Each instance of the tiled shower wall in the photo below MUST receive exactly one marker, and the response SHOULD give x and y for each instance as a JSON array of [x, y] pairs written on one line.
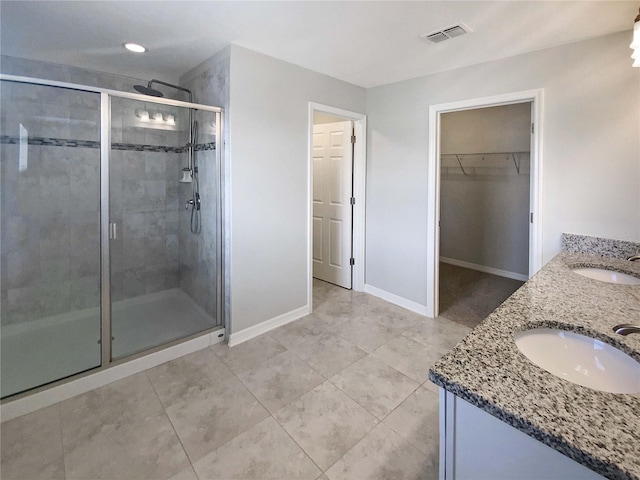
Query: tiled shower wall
[[209, 83], [197, 256], [144, 205], [50, 211], [50, 203]]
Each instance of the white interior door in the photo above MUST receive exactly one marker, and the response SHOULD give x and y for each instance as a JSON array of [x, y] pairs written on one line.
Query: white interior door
[[332, 211]]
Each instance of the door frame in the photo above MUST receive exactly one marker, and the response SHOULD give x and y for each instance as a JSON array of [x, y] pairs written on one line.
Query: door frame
[[535, 97], [359, 182]]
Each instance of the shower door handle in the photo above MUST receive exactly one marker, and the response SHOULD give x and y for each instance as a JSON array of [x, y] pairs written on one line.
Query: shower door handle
[[113, 231]]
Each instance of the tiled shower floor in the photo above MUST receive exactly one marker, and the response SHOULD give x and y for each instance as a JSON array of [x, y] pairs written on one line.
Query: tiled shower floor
[[49, 352], [340, 394]]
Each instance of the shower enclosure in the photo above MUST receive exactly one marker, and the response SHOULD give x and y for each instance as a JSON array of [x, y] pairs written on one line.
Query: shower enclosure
[[100, 259]]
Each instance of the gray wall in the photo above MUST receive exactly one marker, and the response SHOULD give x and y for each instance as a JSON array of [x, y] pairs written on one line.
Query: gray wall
[[269, 109], [495, 129], [484, 214], [591, 147]]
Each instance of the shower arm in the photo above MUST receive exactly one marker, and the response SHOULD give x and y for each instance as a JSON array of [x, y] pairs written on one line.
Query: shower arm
[[172, 86], [190, 144]]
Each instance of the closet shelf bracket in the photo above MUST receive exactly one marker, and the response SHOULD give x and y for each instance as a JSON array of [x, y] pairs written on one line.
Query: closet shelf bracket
[[515, 162], [460, 163]]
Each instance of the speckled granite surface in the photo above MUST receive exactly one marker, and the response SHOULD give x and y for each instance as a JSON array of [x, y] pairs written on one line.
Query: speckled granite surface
[[597, 429], [604, 247]]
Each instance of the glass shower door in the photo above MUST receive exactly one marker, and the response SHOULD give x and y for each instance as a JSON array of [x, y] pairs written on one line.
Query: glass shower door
[[156, 296], [50, 224]]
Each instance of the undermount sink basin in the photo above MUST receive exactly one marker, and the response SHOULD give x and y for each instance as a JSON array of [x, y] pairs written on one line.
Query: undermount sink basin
[[581, 360], [609, 276]]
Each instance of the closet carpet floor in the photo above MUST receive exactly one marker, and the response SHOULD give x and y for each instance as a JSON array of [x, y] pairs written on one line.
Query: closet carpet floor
[[468, 296], [340, 394]]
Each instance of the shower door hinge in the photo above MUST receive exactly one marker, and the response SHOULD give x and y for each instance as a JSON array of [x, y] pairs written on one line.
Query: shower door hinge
[[532, 128], [353, 139], [353, 200], [113, 231], [352, 261], [531, 217]]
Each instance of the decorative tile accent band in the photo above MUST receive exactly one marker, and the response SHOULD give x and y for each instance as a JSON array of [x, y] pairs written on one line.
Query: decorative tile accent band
[[63, 142]]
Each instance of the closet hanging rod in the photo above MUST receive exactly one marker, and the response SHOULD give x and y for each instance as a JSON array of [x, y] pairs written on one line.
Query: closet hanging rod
[[481, 154], [516, 157]]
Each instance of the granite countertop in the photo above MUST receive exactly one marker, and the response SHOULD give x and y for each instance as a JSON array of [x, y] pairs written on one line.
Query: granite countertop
[[599, 430]]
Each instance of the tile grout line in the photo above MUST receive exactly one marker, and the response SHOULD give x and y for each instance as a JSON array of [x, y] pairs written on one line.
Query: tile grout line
[[390, 413], [164, 410], [374, 358], [64, 455], [378, 422], [294, 440]]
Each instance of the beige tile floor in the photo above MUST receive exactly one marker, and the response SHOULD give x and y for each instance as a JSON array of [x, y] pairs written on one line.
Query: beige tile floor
[[340, 394]]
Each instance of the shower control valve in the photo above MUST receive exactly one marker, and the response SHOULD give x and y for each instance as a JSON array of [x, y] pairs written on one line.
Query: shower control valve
[[189, 204]]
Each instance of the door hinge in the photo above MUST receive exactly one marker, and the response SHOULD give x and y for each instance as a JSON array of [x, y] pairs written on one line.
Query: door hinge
[[533, 128], [531, 217], [113, 231], [353, 201], [353, 139], [352, 261]]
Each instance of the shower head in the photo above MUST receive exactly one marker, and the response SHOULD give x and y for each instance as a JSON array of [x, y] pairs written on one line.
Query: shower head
[[148, 90], [155, 93]]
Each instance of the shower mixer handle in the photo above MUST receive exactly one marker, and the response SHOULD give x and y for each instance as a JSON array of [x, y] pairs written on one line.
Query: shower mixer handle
[[192, 202]]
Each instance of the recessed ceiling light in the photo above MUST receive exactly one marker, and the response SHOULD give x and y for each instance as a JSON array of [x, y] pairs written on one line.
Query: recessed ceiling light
[[134, 47]]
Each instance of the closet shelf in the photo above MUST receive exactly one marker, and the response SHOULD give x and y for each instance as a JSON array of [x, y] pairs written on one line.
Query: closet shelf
[[467, 161]]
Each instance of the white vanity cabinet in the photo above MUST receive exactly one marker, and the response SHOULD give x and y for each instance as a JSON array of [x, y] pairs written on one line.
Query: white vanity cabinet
[[474, 445]]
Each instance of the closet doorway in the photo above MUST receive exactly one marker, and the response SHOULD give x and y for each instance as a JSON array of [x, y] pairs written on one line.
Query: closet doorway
[[484, 209], [484, 213]]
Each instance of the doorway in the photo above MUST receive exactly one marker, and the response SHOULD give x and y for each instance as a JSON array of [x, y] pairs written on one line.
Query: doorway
[[337, 146], [484, 209], [332, 199], [472, 164]]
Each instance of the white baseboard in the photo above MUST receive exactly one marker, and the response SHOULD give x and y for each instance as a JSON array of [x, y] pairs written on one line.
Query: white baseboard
[[45, 398], [267, 325], [396, 300], [482, 268]]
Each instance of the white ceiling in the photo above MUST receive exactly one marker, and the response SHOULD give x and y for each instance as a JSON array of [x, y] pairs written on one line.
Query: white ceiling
[[367, 43]]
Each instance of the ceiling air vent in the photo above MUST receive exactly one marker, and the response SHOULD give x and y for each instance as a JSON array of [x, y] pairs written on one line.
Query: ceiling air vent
[[436, 37], [446, 33]]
